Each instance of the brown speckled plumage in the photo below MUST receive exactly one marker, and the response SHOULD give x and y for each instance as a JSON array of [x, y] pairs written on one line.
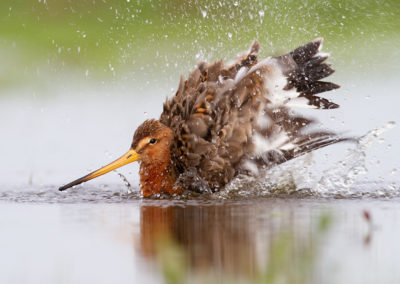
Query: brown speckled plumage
[[225, 120], [214, 115]]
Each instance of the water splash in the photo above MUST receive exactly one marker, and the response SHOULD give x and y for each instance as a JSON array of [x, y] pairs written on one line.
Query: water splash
[[280, 181], [301, 178], [339, 179], [126, 182]]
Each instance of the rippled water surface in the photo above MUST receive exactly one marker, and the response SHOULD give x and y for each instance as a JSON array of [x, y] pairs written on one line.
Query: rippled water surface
[[96, 235]]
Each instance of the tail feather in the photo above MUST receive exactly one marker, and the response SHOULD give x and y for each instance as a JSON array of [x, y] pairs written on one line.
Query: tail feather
[[292, 149], [306, 52], [304, 68], [319, 102], [315, 87]]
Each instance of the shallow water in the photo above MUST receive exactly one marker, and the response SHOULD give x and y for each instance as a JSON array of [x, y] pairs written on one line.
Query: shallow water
[[103, 236]]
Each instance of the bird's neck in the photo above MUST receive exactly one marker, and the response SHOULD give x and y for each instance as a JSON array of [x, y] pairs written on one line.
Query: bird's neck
[[157, 178]]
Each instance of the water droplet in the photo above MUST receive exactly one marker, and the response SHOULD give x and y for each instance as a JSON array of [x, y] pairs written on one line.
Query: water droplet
[[204, 13], [391, 124], [229, 35]]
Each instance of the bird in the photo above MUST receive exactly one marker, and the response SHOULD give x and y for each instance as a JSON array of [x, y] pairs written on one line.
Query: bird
[[230, 119]]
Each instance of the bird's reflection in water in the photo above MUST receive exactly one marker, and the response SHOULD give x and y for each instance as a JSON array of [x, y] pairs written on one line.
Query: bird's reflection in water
[[261, 243], [211, 237], [225, 239]]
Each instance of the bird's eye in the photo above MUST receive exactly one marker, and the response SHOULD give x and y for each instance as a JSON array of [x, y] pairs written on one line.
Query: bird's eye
[[152, 141]]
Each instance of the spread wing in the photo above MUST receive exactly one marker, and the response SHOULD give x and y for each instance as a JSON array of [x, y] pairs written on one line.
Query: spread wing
[[231, 119]]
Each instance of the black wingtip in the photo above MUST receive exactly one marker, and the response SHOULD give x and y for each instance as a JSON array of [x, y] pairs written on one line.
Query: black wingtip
[[304, 53]]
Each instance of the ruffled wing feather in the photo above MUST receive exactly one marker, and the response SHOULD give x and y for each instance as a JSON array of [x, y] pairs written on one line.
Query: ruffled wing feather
[[231, 119]]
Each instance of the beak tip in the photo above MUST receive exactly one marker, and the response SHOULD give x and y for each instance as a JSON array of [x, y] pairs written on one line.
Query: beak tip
[[65, 187], [129, 157]]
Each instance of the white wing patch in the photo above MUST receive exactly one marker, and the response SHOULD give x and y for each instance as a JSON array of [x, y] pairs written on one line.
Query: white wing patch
[[279, 141], [264, 121], [300, 102], [275, 83], [241, 74]]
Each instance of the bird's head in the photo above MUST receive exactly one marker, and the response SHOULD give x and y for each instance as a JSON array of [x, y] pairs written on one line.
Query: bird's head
[[151, 145], [152, 141]]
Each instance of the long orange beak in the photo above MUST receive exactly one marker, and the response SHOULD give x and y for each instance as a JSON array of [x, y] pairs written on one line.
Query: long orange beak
[[128, 157]]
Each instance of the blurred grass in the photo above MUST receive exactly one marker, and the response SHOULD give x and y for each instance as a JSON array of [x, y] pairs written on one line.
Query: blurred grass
[[139, 39]]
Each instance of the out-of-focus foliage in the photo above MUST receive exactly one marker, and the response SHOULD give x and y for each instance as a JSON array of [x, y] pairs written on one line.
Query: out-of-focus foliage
[[104, 37]]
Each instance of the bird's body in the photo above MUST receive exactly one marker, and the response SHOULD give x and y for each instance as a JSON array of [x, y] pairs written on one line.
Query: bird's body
[[227, 120]]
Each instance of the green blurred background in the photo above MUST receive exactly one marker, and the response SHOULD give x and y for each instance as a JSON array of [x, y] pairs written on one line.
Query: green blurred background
[[47, 42]]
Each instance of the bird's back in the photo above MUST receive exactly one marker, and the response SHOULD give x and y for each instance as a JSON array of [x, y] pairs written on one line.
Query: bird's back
[[235, 119]]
